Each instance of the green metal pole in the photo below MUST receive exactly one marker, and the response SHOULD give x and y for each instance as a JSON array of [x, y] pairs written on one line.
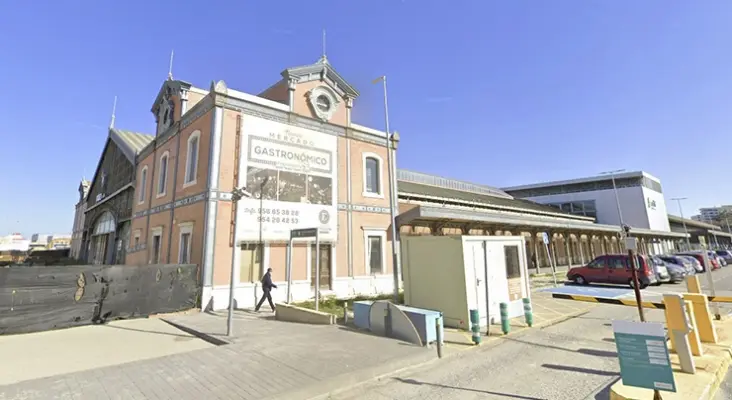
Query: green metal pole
[[475, 326], [505, 326], [528, 313]]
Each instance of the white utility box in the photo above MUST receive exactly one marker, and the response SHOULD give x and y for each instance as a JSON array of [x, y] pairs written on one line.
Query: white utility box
[[454, 274]]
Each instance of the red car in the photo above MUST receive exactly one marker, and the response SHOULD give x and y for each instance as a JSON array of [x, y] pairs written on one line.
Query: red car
[[613, 268]]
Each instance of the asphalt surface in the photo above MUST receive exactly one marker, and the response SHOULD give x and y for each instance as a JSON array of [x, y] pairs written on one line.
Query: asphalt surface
[[575, 359]]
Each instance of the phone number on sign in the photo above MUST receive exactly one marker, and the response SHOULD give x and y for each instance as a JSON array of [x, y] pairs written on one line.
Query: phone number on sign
[[275, 215]]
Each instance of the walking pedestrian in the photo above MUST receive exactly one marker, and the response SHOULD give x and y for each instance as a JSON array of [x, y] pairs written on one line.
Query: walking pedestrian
[[267, 286]]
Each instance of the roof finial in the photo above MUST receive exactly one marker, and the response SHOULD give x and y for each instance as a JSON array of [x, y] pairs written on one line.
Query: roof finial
[[324, 58], [170, 66], [114, 111]]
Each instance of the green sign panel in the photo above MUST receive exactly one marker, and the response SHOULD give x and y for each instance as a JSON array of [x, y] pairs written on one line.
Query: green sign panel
[[643, 355]]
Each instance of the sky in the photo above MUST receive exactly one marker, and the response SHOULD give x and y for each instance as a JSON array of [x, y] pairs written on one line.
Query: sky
[[494, 92]]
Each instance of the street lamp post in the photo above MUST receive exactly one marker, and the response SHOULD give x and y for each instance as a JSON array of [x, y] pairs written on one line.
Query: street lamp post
[[615, 190], [683, 222], [392, 200], [236, 195]]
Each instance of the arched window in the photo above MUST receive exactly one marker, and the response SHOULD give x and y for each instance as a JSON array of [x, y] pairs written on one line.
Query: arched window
[[372, 185], [163, 175], [192, 158], [105, 224], [142, 186]]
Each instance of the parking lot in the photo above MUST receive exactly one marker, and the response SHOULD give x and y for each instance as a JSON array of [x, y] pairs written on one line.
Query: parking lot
[[722, 282]]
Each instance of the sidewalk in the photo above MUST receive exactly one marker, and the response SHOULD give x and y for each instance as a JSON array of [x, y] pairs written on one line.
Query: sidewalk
[[266, 359], [546, 310]]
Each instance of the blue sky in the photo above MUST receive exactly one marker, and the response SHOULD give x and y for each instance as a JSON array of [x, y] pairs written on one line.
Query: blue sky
[[500, 93]]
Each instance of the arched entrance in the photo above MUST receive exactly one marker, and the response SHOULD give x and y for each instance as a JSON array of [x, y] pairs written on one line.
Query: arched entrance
[[102, 238]]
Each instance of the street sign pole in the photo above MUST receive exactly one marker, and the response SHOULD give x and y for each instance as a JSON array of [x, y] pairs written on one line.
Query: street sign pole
[[288, 271], [317, 270], [631, 244], [708, 268], [237, 195]]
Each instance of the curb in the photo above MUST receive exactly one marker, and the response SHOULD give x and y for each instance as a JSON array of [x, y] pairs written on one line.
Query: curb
[[488, 344]]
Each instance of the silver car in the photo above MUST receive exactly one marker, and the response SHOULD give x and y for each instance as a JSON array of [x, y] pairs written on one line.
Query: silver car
[[688, 263], [659, 267]]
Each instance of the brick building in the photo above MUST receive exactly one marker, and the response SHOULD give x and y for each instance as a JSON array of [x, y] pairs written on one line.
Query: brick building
[[295, 148]]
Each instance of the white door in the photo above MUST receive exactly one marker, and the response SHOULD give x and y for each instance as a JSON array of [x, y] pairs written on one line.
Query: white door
[[496, 281], [476, 280]]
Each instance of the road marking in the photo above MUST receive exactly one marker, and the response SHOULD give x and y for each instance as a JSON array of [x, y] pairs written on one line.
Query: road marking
[[605, 300]]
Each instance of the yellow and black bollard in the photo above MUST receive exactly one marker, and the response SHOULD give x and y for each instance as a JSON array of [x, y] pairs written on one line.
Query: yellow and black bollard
[[475, 326], [528, 313], [505, 326]]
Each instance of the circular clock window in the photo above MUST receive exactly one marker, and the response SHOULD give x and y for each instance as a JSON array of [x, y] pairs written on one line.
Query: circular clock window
[[323, 103]]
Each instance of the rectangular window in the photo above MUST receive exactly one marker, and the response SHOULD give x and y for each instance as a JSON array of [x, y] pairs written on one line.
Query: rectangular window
[[143, 184], [513, 265], [372, 175], [163, 177], [374, 243], [250, 262], [185, 248], [376, 258], [156, 247], [136, 240], [192, 159]]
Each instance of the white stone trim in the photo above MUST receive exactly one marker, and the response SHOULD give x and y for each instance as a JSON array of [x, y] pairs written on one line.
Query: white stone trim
[[166, 156], [136, 235], [143, 184], [185, 227], [187, 180], [332, 99], [380, 167], [368, 130], [371, 232]]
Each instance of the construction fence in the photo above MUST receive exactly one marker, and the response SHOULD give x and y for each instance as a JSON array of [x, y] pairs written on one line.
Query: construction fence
[[35, 299]]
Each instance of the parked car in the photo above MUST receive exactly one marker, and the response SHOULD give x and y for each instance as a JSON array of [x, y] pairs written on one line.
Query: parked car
[[659, 267], [614, 268], [726, 255], [722, 262], [699, 256], [687, 263], [676, 273], [694, 263]]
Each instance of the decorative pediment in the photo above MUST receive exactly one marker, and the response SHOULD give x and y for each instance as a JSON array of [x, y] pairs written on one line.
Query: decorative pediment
[[321, 71], [164, 106]]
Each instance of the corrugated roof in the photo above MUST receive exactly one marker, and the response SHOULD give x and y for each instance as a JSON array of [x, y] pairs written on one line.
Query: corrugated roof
[[691, 222], [131, 143], [444, 193]]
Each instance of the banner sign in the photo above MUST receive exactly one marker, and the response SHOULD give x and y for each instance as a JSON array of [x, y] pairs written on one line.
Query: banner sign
[[292, 175]]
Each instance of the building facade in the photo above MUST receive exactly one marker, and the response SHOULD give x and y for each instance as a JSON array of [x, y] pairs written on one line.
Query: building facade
[[433, 205], [640, 196], [711, 214], [109, 200], [306, 164], [79, 213]]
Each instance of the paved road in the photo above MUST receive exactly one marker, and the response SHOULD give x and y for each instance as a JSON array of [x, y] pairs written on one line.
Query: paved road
[[572, 360]]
